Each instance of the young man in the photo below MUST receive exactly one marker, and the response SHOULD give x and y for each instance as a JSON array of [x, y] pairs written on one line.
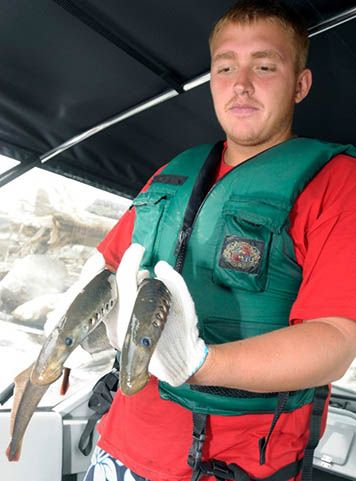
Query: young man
[[262, 229]]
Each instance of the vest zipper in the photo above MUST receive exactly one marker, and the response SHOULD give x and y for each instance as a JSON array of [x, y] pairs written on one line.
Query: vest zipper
[[186, 231], [181, 247]]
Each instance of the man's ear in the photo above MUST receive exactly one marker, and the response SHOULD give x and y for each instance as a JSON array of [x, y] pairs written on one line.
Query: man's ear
[[303, 85]]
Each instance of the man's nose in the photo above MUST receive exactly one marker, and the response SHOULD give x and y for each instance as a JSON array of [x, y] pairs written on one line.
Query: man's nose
[[243, 82]]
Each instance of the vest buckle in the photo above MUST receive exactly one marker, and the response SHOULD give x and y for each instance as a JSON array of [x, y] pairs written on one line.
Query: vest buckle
[[195, 453], [222, 471], [217, 468]]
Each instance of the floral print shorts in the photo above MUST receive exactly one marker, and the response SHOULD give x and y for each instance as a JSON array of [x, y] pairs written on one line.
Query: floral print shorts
[[106, 468]]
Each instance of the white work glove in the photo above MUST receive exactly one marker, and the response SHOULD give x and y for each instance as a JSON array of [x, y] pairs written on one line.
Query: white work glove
[[180, 352], [128, 277], [92, 267]]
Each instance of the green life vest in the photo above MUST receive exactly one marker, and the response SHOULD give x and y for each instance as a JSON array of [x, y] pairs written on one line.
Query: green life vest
[[239, 262]]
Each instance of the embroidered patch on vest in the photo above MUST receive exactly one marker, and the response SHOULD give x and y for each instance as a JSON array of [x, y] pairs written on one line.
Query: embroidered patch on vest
[[169, 179], [240, 254]]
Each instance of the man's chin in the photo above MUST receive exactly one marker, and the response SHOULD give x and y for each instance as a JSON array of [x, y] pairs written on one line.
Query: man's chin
[[246, 140]]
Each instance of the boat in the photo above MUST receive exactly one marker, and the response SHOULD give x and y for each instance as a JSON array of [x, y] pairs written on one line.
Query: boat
[[101, 94]]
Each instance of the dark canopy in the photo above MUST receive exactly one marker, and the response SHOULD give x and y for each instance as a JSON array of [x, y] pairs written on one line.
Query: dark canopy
[[67, 66]]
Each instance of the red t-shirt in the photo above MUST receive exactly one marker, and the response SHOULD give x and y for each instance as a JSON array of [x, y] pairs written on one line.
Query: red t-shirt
[[152, 436]]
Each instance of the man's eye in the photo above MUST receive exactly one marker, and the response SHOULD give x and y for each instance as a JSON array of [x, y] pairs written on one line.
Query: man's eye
[[226, 69], [266, 68]]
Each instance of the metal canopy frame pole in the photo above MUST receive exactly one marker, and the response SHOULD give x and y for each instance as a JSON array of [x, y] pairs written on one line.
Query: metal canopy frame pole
[[18, 170], [332, 22], [22, 168]]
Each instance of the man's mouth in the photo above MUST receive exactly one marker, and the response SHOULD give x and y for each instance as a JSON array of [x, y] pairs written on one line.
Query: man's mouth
[[243, 110]]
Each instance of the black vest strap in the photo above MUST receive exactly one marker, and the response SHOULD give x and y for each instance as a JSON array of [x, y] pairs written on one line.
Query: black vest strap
[[85, 443], [263, 442], [99, 402], [320, 397], [200, 190], [199, 429], [222, 470]]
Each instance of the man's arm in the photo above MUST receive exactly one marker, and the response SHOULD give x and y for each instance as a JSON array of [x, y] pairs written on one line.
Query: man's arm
[[314, 353], [304, 355]]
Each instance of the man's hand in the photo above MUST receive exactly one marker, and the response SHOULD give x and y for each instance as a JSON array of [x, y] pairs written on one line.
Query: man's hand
[[180, 351], [128, 277]]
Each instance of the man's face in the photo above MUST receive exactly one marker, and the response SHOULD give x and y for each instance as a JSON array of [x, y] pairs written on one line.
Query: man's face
[[254, 83]]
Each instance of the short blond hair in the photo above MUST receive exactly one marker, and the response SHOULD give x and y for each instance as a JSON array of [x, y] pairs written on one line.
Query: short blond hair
[[249, 11]]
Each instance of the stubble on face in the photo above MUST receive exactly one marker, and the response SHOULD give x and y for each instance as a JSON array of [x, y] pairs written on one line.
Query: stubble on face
[[274, 132]]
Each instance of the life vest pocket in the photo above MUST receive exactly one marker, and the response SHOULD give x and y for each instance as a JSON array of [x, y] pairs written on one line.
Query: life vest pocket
[[241, 259], [246, 231], [150, 208]]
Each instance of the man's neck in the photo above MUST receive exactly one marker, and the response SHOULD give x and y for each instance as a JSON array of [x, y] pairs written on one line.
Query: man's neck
[[236, 154]]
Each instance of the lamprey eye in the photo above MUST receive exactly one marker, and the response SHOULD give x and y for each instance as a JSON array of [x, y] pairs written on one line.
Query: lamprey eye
[[146, 342], [68, 341]]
